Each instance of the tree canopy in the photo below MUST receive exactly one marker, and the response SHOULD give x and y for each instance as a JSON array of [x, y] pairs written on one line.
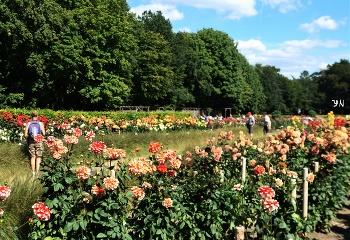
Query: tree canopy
[[97, 55]]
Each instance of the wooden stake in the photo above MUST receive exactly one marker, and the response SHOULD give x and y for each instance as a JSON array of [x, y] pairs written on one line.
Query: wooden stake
[[316, 167], [305, 192], [244, 166], [294, 194], [239, 232], [112, 173]]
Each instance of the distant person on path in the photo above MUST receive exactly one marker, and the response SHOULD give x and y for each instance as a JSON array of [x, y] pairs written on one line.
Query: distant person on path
[[250, 123], [33, 128], [267, 123], [204, 117]]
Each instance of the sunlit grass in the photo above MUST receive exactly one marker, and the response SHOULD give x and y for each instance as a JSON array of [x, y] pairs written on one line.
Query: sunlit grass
[[15, 167]]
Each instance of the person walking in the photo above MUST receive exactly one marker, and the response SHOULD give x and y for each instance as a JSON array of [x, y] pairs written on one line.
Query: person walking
[[33, 128], [250, 123], [267, 123]]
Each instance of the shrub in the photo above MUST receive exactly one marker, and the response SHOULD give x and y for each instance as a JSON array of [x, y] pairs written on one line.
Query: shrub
[[312, 113]]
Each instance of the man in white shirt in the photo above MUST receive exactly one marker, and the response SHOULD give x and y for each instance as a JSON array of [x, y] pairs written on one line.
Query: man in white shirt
[[267, 123]]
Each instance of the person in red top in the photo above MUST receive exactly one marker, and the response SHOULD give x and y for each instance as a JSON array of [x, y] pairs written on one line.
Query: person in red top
[[250, 123], [35, 148]]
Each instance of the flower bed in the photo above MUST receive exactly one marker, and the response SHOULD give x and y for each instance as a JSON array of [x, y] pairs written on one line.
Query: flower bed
[[12, 123], [200, 195]]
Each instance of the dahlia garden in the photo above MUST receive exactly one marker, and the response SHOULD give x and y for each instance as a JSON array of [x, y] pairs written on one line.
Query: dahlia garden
[[200, 194]]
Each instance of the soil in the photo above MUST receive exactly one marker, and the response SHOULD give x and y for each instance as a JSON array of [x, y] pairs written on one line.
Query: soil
[[340, 229]]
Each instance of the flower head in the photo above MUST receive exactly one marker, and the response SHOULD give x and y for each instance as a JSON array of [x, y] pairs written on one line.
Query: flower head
[[83, 172], [114, 153], [238, 187], [4, 193], [97, 147], [110, 183], [162, 168], [98, 191], [139, 193], [310, 177], [89, 135], [259, 170], [41, 211], [270, 204], [331, 157], [154, 147], [266, 192], [167, 202]]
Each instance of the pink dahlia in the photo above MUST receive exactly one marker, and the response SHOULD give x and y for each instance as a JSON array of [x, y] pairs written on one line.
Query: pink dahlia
[[41, 211]]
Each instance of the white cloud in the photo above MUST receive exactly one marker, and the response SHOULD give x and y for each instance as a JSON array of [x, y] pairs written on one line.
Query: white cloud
[[300, 45], [184, 29], [290, 56], [251, 45], [284, 6], [168, 11], [324, 22], [233, 9]]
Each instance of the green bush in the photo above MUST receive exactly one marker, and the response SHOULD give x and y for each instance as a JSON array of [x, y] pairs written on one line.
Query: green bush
[[276, 114], [312, 113]]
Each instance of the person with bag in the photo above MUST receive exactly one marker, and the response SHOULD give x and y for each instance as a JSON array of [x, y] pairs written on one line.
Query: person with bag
[[32, 133]]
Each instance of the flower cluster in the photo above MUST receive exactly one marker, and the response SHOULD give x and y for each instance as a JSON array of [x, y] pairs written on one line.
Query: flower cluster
[[56, 147], [71, 139], [42, 212], [141, 166], [267, 194]]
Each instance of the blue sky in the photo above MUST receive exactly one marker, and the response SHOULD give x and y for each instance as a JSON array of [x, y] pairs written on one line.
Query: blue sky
[[292, 35]]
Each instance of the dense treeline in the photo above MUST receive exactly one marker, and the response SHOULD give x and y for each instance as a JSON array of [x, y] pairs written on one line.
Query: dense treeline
[[97, 55]]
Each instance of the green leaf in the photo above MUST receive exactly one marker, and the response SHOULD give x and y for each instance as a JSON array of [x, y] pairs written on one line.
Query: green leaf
[[101, 235], [282, 225]]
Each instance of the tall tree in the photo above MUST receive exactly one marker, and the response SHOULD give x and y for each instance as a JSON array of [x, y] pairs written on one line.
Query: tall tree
[[333, 84], [230, 72], [153, 75], [271, 80]]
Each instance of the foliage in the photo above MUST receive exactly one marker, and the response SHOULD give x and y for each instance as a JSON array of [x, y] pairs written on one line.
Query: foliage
[[276, 114], [312, 113], [333, 84], [84, 202]]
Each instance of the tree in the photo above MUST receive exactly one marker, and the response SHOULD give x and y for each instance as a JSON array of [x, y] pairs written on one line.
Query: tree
[[157, 23], [229, 83], [153, 75], [271, 81], [75, 55], [333, 84]]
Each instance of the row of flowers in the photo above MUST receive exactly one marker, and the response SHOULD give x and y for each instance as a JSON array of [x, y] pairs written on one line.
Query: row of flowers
[[197, 194], [12, 125]]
